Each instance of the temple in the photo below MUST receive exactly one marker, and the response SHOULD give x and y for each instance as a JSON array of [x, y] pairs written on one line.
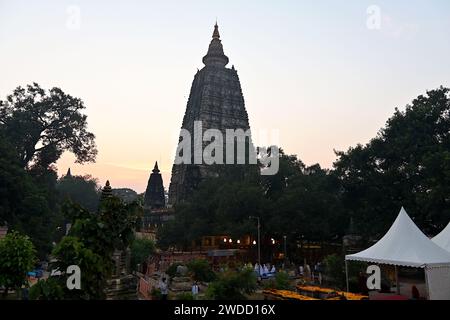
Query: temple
[[154, 194], [216, 100]]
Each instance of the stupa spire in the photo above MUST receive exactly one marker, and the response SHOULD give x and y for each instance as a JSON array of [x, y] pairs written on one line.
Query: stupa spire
[[215, 56], [154, 197], [216, 34], [106, 191], [156, 169]]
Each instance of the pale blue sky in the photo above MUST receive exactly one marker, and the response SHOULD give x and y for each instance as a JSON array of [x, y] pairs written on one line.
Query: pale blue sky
[[311, 69]]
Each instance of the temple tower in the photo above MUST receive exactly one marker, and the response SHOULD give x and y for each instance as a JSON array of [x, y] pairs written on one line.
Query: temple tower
[[154, 194], [216, 100]]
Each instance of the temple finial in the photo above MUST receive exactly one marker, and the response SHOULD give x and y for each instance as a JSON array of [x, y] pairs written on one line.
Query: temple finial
[[215, 56], [156, 169], [216, 34], [106, 191]]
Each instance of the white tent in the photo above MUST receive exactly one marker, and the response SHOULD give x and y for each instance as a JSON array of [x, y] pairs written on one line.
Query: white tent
[[405, 245], [443, 238]]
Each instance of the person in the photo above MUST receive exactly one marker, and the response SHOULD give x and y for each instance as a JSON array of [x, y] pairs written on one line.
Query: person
[[300, 270], [308, 272], [266, 270], [195, 290], [164, 289]]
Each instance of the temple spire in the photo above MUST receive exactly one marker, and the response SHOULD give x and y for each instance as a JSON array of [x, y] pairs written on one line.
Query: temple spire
[[156, 169], [215, 56], [216, 34], [106, 191], [154, 197]]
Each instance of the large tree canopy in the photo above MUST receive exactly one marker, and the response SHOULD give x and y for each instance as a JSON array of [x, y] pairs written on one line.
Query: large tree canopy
[[407, 164], [42, 125]]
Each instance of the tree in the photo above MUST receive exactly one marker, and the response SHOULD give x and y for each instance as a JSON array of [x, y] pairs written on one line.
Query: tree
[[17, 258], [82, 190], [91, 241], [407, 164], [42, 125], [141, 249], [232, 285], [201, 270], [94, 268], [49, 289], [28, 201]]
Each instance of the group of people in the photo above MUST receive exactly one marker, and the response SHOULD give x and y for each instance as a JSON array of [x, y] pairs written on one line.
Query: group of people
[[313, 274], [164, 288], [264, 270]]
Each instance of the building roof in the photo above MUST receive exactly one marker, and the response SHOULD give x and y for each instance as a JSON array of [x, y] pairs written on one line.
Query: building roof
[[443, 238], [404, 245]]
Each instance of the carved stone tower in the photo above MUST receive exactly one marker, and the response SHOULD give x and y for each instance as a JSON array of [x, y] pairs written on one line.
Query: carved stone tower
[[216, 100], [154, 194]]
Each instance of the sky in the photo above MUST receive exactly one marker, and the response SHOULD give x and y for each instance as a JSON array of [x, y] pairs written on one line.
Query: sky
[[325, 75]]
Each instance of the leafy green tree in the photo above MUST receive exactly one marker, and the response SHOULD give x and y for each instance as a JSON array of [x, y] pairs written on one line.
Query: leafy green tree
[[201, 270], [17, 257], [141, 249], [48, 289], [28, 201], [92, 241], [405, 165], [232, 285], [42, 125], [94, 268]]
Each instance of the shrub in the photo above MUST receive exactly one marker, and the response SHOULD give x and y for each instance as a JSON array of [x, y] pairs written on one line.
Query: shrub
[[185, 296], [232, 285], [201, 271], [172, 270]]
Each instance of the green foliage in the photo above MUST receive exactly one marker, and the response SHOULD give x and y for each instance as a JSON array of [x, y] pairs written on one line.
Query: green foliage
[[42, 125], [201, 270], [28, 200], [335, 271], [49, 289], [109, 229], [407, 164], [94, 267], [172, 269], [82, 190], [141, 249], [17, 257], [280, 282], [92, 241], [185, 296], [232, 285], [156, 294], [306, 203]]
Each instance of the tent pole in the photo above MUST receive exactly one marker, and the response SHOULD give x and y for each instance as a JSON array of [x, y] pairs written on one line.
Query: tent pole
[[346, 275], [397, 283]]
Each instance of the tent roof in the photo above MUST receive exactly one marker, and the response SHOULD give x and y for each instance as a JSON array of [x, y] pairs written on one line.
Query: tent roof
[[404, 245], [443, 238]]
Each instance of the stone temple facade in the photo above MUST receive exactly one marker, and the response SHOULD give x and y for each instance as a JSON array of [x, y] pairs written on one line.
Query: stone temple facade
[[215, 99]]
